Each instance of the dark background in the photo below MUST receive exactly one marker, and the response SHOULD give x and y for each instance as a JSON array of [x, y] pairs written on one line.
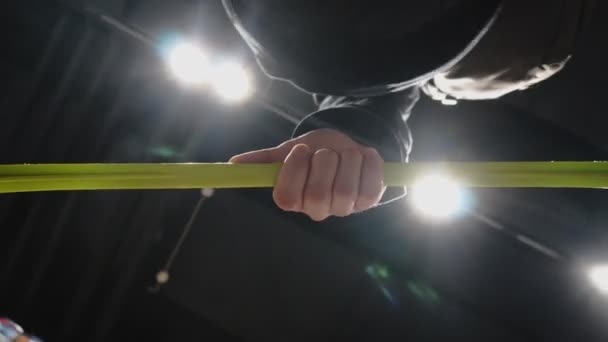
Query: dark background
[[81, 265]]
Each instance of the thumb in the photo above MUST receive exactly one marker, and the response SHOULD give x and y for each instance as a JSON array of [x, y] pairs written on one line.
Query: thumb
[[269, 155]]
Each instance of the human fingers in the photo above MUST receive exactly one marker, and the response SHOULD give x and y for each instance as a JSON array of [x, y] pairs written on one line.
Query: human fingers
[[346, 183], [318, 189], [268, 155], [289, 188], [371, 185]]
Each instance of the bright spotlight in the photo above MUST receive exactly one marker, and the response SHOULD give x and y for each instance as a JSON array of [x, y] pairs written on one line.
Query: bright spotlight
[[188, 63], [438, 197], [231, 81], [599, 277]]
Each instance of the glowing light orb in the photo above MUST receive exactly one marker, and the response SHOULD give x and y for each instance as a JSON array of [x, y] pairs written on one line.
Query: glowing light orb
[[438, 197], [188, 63], [231, 81], [599, 277]]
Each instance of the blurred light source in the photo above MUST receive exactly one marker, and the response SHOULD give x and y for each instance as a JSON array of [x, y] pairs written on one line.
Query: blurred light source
[[231, 81], [438, 197], [599, 277], [188, 63]]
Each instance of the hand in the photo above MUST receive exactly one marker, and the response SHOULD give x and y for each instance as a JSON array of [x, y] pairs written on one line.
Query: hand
[[324, 173]]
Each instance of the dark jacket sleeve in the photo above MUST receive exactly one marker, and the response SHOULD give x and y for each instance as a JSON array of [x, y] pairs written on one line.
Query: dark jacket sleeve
[[378, 122]]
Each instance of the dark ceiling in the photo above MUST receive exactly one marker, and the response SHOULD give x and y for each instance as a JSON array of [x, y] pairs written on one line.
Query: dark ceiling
[[81, 265]]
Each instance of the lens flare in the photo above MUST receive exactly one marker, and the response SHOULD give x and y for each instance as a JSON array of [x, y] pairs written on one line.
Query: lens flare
[[188, 63], [599, 277], [231, 81], [438, 197]]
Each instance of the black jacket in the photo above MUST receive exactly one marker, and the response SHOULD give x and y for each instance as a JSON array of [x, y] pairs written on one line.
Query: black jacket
[[366, 74]]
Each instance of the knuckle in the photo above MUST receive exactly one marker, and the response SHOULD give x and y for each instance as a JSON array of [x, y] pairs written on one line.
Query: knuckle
[[367, 200], [371, 196], [325, 154], [351, 154], [285, 200], [317, 217], [300, 148], [372, 154], [344, 193], [315, 194], [296, 162], [343, 211], [298, 154], [360, 206]]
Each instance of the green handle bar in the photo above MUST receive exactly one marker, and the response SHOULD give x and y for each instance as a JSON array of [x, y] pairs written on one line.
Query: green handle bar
[[55, 177]]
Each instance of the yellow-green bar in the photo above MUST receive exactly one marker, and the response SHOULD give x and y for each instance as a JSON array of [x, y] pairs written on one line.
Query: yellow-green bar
[[55, 177]]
